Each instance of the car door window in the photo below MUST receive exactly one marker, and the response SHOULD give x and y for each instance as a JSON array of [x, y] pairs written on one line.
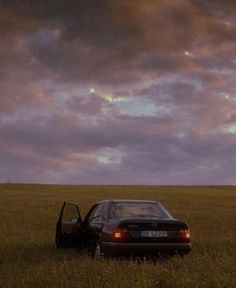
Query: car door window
[[70, 214], [98, 216], [92, 214]]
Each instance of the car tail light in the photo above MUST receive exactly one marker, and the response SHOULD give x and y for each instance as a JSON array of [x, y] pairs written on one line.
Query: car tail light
[[120, 235], [184, 234]]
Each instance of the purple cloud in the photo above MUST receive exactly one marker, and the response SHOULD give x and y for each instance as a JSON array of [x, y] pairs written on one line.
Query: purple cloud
[[138, 92]]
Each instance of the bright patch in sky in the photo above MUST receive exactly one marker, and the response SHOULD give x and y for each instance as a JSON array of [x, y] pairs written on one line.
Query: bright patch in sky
[[108, 98], [181, 135], [110, 156], [128, 105], [137, 107], [230, 129], [186, 53], [228, 96]]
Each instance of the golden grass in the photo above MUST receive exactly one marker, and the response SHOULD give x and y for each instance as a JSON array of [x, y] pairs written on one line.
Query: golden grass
[[28, 257]]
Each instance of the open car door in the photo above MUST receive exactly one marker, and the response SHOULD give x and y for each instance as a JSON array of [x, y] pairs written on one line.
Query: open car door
[[68, 226]]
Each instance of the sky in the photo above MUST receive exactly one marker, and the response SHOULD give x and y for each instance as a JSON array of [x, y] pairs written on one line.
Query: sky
[[118, 92]]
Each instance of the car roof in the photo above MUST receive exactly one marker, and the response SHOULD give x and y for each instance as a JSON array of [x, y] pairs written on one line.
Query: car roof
[[127, 200]]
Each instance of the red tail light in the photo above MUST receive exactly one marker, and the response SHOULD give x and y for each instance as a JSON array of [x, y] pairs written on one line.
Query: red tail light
[[120, 235], [184, 234]]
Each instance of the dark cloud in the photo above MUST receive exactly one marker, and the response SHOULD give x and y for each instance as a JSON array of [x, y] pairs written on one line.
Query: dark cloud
[[117, 42]]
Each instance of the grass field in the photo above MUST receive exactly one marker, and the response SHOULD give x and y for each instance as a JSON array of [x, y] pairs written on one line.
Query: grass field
[[28, 257]]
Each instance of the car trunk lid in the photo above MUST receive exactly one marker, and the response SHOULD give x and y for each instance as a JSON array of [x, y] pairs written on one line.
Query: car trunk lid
[[153, 230]]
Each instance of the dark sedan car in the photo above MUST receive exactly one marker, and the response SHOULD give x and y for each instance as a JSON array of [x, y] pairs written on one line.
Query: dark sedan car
[[114, 227]]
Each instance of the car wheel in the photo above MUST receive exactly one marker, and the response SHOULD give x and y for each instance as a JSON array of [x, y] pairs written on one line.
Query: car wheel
[[97, 253]]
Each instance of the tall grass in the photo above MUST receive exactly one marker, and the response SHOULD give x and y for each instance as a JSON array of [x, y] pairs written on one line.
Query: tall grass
[[28, 257]]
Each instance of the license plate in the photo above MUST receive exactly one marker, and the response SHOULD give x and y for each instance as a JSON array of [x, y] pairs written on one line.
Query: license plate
[[154, 234]]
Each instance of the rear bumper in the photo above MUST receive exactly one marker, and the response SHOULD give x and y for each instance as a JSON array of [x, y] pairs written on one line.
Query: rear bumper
[[153, 248]]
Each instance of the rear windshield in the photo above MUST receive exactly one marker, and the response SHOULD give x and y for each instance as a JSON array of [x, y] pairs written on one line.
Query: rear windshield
[[138, 209]]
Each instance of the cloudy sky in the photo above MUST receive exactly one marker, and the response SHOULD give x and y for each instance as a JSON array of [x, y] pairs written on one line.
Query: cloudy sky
[[118, 92]]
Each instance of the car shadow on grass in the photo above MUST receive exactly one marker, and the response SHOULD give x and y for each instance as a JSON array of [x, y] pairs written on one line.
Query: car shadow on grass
[[37, 252]]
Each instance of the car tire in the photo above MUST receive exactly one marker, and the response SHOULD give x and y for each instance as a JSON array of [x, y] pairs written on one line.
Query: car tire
[[97, 253]]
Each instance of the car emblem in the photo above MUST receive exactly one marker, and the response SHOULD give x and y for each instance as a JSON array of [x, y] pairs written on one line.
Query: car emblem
[[154, 224]]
